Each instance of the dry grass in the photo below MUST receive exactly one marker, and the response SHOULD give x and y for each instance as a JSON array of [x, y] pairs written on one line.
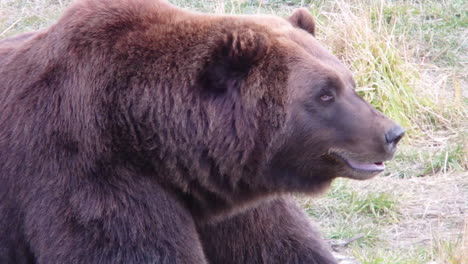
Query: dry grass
[[420, 220], [17, 16]]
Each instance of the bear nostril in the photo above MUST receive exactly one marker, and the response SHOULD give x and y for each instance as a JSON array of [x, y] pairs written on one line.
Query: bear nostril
[[394, 135]]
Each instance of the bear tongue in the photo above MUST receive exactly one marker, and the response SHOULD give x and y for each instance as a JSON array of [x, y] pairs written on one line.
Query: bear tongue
[[377, 166]]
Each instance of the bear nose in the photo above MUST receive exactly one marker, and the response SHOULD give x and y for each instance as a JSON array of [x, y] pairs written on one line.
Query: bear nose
[[394, 135]]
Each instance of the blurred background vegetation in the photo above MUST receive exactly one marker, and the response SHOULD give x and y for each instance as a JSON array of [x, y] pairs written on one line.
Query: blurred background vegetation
[[409, 58]]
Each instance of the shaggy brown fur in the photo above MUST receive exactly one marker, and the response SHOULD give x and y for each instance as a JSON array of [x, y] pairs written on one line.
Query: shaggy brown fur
[[132, 131], [274, 232]]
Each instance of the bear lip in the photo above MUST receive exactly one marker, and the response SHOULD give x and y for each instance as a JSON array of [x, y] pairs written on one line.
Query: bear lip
[[366, 166], [361, 169]]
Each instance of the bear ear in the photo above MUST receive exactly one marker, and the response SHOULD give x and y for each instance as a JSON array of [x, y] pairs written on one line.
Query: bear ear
[[234, 56], [301, 18]]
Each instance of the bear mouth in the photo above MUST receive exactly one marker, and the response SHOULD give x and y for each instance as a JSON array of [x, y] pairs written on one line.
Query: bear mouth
[[360, 170], [366, 166]]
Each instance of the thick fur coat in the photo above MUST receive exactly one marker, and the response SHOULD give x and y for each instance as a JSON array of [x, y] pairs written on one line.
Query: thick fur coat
[[132, 131]]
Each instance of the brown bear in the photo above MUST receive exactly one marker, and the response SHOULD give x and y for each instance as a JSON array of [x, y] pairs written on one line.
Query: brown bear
[[132, 131]]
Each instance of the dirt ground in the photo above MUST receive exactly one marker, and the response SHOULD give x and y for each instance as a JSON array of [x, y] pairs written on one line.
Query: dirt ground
[[433, 213]]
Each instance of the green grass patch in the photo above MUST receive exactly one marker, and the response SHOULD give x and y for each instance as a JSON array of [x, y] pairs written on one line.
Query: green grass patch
[[345, 213], [375, 205], [449, 158], [382, 256], [444, 155]]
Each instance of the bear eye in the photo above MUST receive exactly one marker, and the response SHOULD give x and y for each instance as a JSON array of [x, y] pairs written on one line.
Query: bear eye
[[326, 97]]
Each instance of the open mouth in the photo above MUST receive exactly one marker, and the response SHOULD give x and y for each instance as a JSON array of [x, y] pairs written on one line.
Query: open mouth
[[365, 166], [360, 169]]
